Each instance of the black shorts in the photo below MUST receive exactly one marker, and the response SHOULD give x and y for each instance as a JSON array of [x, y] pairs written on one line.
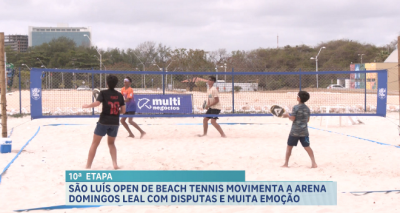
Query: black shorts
[[292, 141], [130, 113], [213, 112], [102, 130]]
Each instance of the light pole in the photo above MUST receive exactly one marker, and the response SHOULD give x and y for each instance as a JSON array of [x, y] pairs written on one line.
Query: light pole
[[85, 35], [216, 70], [166, 70], [361, 56], [46, 74], [162, 76], [225, 70], [316, 62], [26, 66], [144, 69]]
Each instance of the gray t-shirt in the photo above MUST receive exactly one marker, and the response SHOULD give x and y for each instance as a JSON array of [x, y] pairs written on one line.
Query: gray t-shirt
[[299, 126]]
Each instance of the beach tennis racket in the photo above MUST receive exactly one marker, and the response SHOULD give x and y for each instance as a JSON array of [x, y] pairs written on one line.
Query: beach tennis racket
[[96, 93], [204, 104], [277, 111]]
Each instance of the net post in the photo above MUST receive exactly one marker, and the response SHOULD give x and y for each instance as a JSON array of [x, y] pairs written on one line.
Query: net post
[[365, 92], [3, 88], [19, 86], [233, 92], [92, 91], [300, 79], [163, 84], [398, 67]]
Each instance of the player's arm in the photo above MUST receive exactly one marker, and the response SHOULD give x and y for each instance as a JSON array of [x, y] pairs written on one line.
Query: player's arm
[[94, 104], [129, 96], [123, 109], [291, 117], [216, 100]]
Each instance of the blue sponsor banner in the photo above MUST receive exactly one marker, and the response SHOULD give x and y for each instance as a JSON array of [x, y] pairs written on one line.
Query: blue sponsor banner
[[156, 104]]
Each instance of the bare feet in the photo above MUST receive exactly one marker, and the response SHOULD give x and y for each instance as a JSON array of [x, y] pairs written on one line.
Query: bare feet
[[116, 166], [131, 136], [142, 134], [285, 166], [201, 135], [224, 136], [314, 166]]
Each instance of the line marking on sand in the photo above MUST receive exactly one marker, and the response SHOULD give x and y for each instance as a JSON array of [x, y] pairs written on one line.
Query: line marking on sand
[[56, 207], [12, 161], [9, 136], [377, 142], [66, 125], [369, 192]]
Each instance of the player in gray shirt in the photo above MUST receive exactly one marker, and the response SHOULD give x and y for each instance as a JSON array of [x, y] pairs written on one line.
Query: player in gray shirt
[[300, 117]]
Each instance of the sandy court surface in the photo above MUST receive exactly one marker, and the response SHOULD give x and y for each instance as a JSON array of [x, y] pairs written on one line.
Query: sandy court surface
[[64, 102], [36, 178]]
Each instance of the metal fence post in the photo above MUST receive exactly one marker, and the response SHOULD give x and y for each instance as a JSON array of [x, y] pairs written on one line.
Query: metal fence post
[[300, 78], [92, 90], [365, 92], [19, 85], [163, 84], [233, 92]]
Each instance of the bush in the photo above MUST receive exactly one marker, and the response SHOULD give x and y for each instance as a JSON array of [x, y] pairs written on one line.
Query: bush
[[201, 84], [237, 88]]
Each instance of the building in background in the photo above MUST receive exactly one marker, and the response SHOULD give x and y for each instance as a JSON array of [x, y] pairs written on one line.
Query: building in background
[[393, 57], [41, 35], [18, 43], [357, 81]]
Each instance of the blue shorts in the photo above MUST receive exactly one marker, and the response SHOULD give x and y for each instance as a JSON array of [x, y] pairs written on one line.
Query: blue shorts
[[293, 140], [102, 130]]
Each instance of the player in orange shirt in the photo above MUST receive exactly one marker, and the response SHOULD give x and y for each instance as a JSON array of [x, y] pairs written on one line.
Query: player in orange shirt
[[127, 92]]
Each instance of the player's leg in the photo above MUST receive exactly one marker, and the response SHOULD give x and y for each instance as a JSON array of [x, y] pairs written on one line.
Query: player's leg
[[292, 141], [112, 134], [113, 151], [134, 124], [123, 122], [288, 153], [205, 126], [99, 132], [92, 151], [218, 127], [305, 141]]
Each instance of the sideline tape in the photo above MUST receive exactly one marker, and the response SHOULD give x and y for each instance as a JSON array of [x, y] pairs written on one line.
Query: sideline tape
[[65, 125], [369, 192], [377, 142], [9, 136], [175, 124], [55, 207], [12, 161], [232, 123]]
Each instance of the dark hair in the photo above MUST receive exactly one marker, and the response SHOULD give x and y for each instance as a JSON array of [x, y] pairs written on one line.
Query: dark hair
[[129, 78], [212, 78], [304, 96], [112, 81]]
